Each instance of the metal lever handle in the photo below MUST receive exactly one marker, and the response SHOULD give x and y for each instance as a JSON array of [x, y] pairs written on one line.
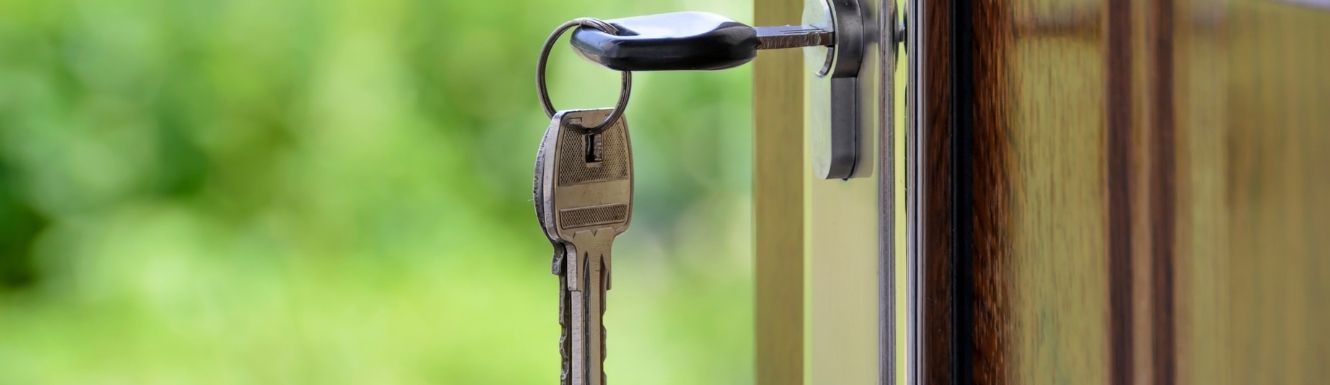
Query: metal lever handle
[[688, 41]]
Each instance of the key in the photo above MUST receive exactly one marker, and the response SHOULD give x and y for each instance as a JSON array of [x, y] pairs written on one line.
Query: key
[[585, 201], [546, 144], [688, 41], [837, 36], [546, 147]]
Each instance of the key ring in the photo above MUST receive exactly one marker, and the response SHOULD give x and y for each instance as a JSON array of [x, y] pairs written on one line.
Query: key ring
[[625, 90]]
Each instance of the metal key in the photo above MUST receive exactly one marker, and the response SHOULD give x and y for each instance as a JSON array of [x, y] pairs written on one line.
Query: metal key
[[585, 199], [546, 146], [689, 41], [835, 35]]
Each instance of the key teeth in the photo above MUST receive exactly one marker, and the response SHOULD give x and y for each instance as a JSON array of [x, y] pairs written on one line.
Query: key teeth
[[603, 353], [603, 336], [564, 323], [556, 266]]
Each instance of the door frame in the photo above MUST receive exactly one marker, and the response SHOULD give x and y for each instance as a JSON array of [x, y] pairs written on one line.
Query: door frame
[[826, 270]]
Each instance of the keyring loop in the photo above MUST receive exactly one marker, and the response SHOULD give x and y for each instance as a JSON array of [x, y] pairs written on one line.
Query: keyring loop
[[625, 90]]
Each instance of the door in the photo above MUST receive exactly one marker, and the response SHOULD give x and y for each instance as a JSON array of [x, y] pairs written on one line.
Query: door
[[1124, 192], [1085, 191]]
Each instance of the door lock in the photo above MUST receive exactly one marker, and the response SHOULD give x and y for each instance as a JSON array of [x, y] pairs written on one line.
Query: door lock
[[834, 35]]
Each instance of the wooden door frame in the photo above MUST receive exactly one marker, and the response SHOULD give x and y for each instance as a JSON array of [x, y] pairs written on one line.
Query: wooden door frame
[[778, 197]]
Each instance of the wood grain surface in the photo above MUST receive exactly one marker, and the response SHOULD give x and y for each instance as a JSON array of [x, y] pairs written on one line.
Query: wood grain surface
[[1127, 192], [1252, 101], [937, 333]]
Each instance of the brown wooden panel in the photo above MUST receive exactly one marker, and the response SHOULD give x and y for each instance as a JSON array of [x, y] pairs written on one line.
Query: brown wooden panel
[[937, 334], [1252, 98], [1126, 191], [1018, 233]]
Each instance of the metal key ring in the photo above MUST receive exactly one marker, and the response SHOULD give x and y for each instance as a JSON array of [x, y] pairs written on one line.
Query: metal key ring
[[625, 90]]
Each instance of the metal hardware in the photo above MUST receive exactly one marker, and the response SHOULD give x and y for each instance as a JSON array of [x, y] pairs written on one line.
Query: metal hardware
[[681, 41], [793, 36], [914, 37], [835, 36], [626, 87], [834, 103]]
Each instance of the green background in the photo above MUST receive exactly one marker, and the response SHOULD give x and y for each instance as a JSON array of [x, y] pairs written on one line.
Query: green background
[[339, 192]]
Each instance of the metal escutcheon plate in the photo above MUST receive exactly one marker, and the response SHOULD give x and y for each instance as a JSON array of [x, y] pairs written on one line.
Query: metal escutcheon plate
[[834, 92]]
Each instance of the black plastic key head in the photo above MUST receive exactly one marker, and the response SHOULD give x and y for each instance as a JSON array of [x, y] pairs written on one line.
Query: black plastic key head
[[669, 41]]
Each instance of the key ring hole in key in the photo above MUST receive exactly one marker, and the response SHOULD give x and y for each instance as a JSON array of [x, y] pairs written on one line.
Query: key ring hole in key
[[624, 91]]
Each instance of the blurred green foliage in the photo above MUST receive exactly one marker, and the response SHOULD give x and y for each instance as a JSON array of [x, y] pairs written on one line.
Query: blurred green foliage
[[338, 192]]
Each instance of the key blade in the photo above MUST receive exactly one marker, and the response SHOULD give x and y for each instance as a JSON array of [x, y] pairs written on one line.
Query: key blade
[[793, 36], [565, 332], [588, 306]]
